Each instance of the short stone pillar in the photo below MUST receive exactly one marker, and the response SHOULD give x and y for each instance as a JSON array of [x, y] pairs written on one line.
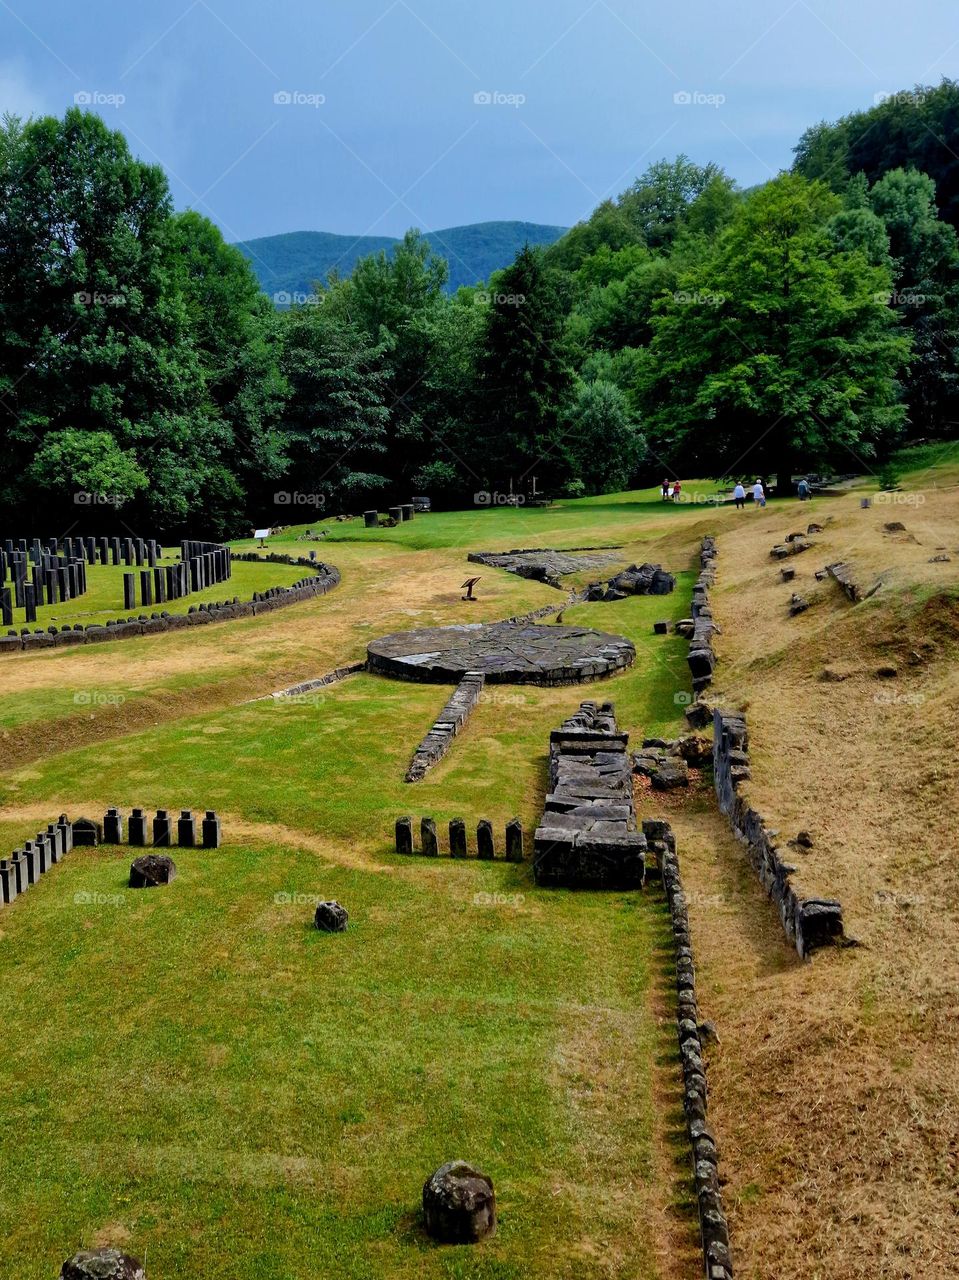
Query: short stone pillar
[[660, 628], [514, 841], [162, 829], [113, 827], [371, 519], [56, 842], [330, 917], [457, 838], [138, 828], [788, 574], [212, 835], [129, 591], [485, 847], [102, 1264], [428, 839], [407, 510], [43, 853], [404, 836], [8, 880], [396, 513], [186, 830], [459, 1204], [151, 870]]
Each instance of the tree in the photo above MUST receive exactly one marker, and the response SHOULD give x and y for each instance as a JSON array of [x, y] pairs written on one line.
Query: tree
[[602, 439], [523, 376], [336, 414], [926, 294], [778, 351]]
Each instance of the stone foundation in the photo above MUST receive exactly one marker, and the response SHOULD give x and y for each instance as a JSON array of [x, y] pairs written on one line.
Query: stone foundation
[[587, 837], [702, 659]]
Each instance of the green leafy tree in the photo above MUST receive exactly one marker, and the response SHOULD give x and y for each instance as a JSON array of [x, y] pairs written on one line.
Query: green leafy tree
[[778, 352], [85, 464], [602, 440], [523, 377]]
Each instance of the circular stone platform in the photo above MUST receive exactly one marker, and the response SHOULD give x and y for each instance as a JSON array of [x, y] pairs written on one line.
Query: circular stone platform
[[505, 652]]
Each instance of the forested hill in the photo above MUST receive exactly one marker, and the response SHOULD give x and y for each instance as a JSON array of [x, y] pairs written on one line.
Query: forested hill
[[293, 263]]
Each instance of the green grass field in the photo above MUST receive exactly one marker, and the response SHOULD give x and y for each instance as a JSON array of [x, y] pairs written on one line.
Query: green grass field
[[198, 1075]]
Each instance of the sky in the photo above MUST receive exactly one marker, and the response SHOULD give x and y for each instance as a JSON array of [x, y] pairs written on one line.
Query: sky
[[371, 116]]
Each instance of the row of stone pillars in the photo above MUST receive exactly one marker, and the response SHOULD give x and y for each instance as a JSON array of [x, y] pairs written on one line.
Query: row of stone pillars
[[485, 841]]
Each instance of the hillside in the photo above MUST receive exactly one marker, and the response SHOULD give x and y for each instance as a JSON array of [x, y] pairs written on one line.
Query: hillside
[[292, 263]]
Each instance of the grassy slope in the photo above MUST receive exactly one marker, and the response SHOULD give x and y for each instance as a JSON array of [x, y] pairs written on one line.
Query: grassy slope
[[197, 1088]]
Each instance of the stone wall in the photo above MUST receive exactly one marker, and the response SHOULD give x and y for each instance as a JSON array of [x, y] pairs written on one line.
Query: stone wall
[[702, 659], [587, 837], [714, 1229], [322, 579], [451, 719], [809, 923]]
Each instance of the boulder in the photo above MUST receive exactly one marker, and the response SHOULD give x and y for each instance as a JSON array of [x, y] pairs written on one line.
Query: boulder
[[330, 917], [102, 1264], [151, 870], [694, 749], [459, 1204], [673, 772]]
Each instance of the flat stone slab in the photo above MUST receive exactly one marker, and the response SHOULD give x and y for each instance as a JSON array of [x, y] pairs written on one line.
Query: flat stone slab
[[542, 563], [505, 653]]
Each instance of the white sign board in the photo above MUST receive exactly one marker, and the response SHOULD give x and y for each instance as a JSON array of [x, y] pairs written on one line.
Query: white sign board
[[261, 533]]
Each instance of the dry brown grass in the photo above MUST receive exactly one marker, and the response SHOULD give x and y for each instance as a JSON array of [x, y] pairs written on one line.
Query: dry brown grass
[[835, 1091]]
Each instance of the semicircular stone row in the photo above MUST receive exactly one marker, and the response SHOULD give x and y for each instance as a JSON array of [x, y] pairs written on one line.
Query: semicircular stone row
[[504, 652]]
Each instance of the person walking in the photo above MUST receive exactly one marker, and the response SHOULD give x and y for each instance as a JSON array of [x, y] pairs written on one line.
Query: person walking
[[665, 490], [759, 494], [739, 496], [805, 493], [677, 490]]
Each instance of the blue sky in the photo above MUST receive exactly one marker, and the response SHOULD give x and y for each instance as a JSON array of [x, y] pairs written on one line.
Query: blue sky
[[369, 116]]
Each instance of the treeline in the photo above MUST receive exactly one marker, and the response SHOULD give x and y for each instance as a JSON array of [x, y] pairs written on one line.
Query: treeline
[[687, 328]]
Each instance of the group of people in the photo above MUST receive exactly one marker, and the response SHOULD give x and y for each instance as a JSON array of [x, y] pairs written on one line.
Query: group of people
[[803, 489], [672, 489]]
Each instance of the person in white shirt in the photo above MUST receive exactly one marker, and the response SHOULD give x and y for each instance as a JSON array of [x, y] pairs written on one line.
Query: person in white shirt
[[739, 497], [759, 494]]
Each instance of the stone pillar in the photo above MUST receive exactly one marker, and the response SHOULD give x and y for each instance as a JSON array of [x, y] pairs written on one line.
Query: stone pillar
[[407, 510], [129, 591], [484, 840], [32, 858], [514, 841], [18, 865], [428, 838], [396, 513], [8, 880], [113, 827], [146, 588], [457, 838], [138, 828], [30, 601], [56, 842], [6, 607], [66, 827], [404, 835], [186, 830], [371, 519], [43, 853], [159, 585], [211, 830], [162, 829]]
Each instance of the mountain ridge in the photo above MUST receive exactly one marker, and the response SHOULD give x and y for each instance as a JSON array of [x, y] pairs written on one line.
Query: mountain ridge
[[290, 264]]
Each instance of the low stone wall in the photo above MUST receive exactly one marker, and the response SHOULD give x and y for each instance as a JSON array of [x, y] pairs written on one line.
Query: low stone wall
[[451, 719], [307, 687], [714, 1228], [809, 923], [587, 837], [702, 659], [323, 579]]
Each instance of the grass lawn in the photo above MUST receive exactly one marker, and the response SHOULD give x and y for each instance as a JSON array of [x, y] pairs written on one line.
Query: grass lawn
[[196, 1074]]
